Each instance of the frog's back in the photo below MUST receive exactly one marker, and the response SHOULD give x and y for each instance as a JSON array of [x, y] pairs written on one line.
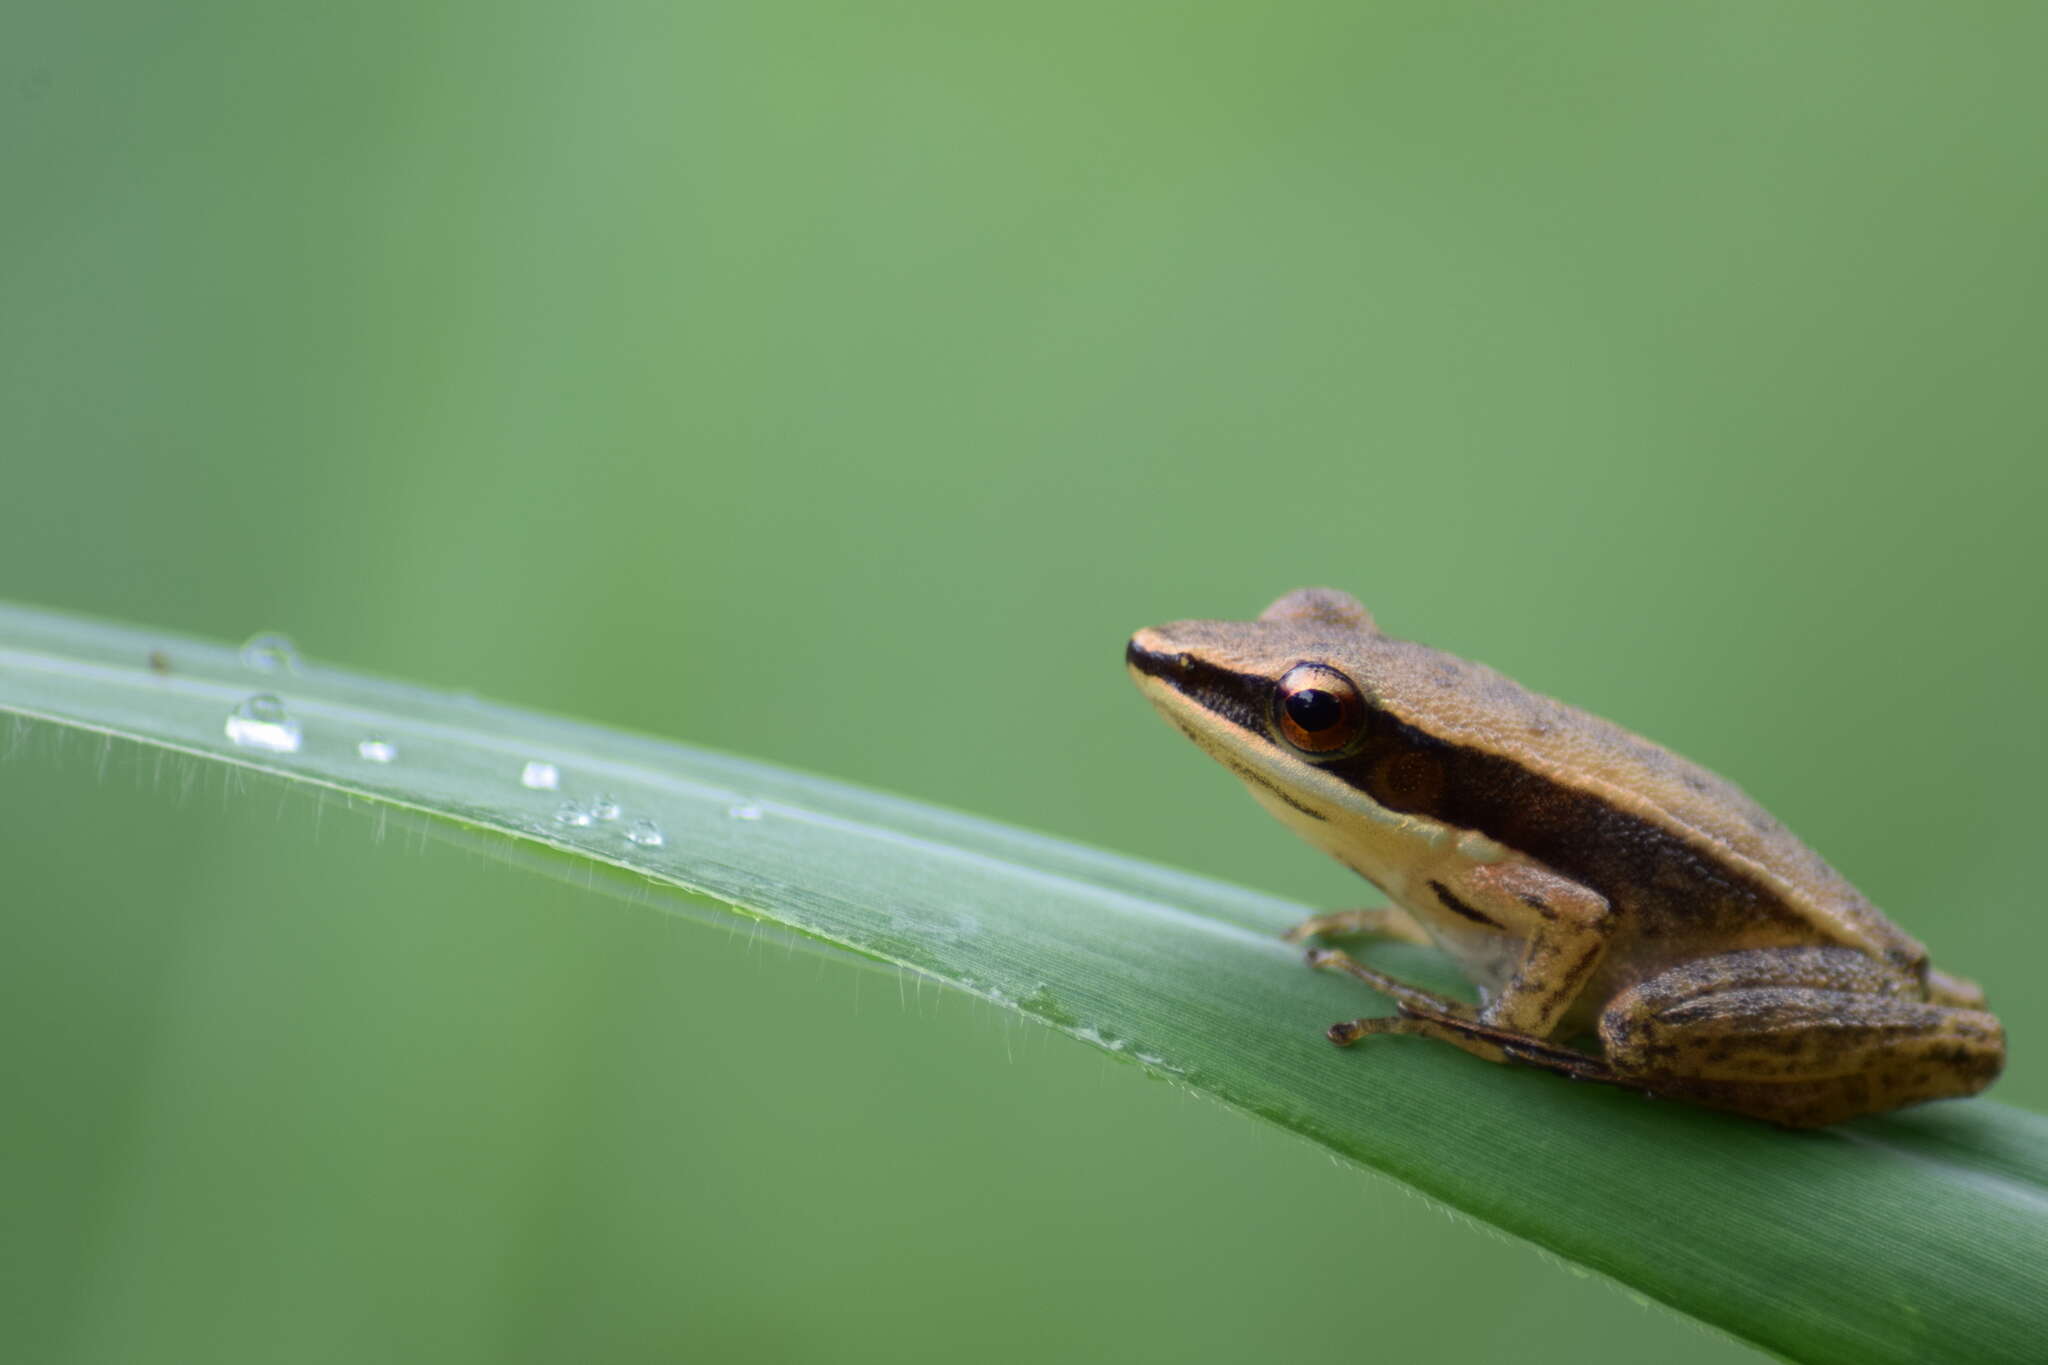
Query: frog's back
[[1639, 790]]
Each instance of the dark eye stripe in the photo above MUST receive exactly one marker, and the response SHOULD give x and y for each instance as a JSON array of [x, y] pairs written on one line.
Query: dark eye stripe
[[1577, 833]]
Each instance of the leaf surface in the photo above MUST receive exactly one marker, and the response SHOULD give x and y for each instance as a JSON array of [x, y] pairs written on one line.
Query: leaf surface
[[1915, 1237]]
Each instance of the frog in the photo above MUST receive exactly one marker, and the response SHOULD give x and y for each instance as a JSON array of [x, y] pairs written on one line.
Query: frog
[[1624, 915]]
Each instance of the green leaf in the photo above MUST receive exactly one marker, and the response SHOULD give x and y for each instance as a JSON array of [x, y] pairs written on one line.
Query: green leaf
[[1917, 1237]]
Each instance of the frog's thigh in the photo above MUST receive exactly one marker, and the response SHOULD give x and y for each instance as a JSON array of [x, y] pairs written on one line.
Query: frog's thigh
[[1801, 1037], [1564, 925]]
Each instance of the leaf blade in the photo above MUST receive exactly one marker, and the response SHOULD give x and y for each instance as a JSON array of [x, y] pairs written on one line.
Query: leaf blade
[[1912, 1237]]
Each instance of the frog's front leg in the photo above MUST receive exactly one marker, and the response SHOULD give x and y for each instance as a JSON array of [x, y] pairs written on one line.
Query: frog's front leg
[[1564, 925], [1415, 1002], [1563, 928], [1797, 1036]]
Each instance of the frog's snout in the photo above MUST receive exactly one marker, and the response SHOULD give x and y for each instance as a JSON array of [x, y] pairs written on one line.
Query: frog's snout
[[1152, 654]]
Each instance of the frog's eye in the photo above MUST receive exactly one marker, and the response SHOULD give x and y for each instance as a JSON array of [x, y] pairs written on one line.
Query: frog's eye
[[1319, 710]]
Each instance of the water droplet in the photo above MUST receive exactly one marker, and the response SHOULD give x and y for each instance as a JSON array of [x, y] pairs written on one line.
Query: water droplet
[[270, 653], [646, 833], [605, 807], [746, 810], [1100, 1039], [260, 722], [377, 750], [569, 813], [542, 777]]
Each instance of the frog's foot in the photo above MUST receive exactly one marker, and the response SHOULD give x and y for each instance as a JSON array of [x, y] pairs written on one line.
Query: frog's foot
[[1482, 1041], [1420, 1026], [1380, 921], [1411, 998]]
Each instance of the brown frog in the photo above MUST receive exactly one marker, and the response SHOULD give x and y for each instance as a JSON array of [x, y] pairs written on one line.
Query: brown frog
[[1587, 881]]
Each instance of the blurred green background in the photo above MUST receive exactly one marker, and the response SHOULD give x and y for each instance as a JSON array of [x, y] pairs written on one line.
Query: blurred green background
[[840, 384]]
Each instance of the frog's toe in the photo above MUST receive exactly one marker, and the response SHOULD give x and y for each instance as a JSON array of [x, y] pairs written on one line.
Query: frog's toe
[[1346, 1033], [1379, 921]]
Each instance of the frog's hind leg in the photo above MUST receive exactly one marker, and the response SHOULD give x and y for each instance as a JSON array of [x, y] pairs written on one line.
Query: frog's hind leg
[[1481, 1040], [1380, 921], [1797, 1036]]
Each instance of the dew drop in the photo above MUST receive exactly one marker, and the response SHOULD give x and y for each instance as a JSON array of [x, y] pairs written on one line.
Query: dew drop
[[541, 777], [270, 653], [605, 807], [569, 813], [746, 810], [260, 722], [377, 750], [646, 833]]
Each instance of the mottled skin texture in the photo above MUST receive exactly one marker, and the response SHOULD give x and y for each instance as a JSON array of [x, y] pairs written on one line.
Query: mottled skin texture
[[1587, 881]]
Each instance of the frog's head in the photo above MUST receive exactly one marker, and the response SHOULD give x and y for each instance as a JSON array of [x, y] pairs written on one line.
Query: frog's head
[[1270, 697]]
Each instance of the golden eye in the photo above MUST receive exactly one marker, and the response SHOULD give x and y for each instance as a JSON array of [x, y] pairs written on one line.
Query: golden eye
[[1319, 710]]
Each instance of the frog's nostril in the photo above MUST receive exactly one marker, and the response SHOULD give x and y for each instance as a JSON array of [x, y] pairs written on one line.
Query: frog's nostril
[[1148, 653]]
